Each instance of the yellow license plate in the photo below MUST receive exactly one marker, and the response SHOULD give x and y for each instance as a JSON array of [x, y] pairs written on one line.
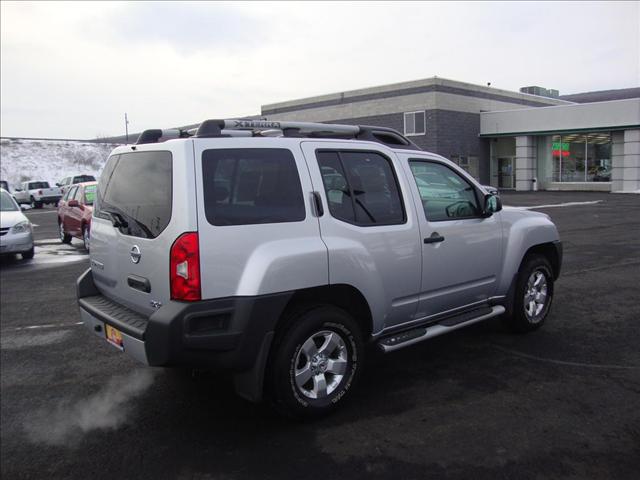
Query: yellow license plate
[[114, 337]]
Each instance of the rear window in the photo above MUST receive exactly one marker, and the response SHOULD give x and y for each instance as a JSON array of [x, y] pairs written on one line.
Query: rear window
[[251, 186], [84, 178], [34, 185], [137, 188]]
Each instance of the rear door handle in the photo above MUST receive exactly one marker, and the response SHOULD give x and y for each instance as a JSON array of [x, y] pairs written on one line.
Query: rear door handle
[[434, 238], [139, 283], [318, 202]]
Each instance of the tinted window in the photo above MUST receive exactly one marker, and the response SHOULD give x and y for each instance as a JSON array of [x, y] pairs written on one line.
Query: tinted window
[[366, 180], [336, 186], [250, 186], [83, 178], [89, 194], [445, 195], [34, 185], [71, 193], [4, 185], [137, 188]]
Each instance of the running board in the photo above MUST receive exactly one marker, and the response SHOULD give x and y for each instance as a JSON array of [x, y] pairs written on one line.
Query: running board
[[415, 335]]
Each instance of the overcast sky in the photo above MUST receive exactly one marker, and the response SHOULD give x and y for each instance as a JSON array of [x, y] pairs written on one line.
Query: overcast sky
[[72, 69]]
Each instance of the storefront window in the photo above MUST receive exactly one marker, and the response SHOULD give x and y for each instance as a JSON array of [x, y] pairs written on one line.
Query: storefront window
[[578, 157]]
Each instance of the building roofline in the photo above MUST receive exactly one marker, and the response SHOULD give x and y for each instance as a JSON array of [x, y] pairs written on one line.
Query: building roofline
[[399, 86]]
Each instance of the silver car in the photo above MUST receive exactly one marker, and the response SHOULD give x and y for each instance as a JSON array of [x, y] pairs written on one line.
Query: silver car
[[16, 232], [278, 257]]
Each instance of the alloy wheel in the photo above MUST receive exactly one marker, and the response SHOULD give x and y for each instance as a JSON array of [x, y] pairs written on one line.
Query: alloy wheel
[[536, 296], [321, 364]]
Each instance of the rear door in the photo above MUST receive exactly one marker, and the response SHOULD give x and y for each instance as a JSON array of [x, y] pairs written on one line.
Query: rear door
[[149, 193], [369, 225]]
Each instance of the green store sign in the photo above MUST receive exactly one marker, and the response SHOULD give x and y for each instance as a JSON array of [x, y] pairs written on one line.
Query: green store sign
[[560, 146]]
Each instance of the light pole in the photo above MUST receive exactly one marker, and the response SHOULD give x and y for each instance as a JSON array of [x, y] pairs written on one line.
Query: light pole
[[126, 126]]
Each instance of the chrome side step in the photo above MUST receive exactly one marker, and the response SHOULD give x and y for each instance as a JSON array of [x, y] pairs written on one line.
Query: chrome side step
[[416, 335]]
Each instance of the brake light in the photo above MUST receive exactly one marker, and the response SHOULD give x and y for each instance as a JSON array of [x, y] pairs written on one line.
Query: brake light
[[39, 192], [184, 268]]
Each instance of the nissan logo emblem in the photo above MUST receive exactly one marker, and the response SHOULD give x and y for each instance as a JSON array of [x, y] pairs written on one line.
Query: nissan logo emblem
[[135, 254]]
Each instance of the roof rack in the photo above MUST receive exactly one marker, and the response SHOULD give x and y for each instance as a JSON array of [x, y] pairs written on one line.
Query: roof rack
[[156, 135], [265, 128]]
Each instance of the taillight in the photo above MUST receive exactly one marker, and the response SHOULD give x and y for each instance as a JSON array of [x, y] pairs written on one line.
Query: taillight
[[184, 268], [39, 192]]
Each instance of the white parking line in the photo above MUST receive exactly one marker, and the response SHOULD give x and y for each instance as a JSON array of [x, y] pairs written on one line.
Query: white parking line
[[567, 204], [51, 325]]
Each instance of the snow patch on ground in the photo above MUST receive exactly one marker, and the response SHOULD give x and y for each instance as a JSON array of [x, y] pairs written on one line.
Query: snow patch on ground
[[50, 160]]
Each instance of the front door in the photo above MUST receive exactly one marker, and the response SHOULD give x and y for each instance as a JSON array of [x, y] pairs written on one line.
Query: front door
[[461, 250]]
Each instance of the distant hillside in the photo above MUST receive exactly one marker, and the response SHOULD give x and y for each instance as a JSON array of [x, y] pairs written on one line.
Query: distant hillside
[[49, 160]]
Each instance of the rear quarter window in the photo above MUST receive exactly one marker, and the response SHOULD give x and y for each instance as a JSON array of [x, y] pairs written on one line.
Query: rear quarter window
[[251, 186]]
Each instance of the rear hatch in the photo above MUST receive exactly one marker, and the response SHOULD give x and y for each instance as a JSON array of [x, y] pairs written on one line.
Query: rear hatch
[[145, 200]]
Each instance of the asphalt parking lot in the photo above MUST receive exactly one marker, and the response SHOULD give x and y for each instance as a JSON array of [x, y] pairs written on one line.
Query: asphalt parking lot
[[563, 402]]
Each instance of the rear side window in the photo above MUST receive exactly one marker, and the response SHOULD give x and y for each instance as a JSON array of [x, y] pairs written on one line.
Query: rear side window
[[361, 187], [136, 188], [83, 178], [244, 186]]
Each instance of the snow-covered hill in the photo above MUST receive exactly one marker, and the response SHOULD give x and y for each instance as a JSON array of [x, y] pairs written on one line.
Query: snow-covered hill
[[50, 160]]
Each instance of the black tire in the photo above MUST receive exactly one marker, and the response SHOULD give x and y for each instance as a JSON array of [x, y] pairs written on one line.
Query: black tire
[[86, 237], [28, 255], [64, 237], [317, 324], [35, 204], [527, 316]]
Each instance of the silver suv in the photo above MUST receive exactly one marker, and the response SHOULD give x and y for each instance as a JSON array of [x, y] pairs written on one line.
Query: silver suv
[[278, 251]]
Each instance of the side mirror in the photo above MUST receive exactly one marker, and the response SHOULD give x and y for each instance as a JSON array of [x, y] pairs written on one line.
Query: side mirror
[[492, 204], [58, 184], [73, 203]]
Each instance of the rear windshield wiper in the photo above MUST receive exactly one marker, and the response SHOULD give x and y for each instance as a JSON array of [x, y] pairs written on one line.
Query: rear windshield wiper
[[117, 219]]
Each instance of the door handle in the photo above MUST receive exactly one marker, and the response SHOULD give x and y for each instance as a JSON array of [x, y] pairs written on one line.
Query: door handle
[[434, 238], [318, 203]]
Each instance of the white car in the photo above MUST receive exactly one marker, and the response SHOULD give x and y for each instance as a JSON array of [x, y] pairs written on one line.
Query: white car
[[16, 232]]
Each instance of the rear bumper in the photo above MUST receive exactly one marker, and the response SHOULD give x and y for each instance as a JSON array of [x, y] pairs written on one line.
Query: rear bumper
[[223, 334], [49, 199]]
